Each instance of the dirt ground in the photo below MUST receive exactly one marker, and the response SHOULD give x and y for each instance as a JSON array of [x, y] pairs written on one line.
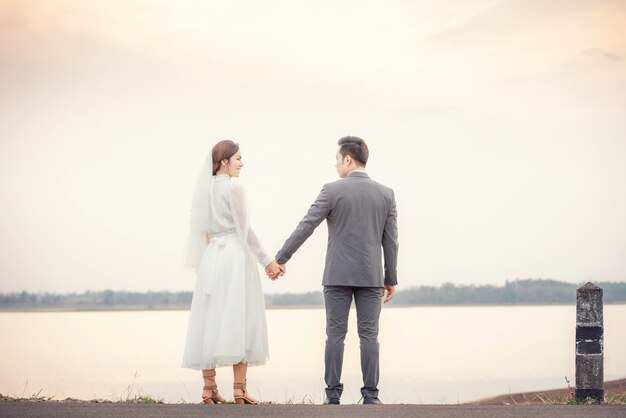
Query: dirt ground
[[614, 392]]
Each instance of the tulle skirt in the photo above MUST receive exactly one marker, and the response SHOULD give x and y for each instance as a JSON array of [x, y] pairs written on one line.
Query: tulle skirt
[[227, 322]]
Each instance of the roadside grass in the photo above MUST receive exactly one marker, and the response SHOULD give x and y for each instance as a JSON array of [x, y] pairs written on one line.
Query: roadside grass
[[139, 397], [614, 394], [35, 397], [130, 395], [292, 400], [142, 398], [609, 399]]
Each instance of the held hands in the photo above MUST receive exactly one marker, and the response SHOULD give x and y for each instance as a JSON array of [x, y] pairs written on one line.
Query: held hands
[[275, 270]]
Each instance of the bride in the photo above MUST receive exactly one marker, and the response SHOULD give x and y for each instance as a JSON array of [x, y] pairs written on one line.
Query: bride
[[227, 325]]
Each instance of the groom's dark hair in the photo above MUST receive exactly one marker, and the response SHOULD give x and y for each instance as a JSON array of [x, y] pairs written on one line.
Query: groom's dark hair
[[355, 147]]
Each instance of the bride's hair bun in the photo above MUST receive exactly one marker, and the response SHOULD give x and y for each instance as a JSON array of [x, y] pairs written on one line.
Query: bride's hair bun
[[223, 150]]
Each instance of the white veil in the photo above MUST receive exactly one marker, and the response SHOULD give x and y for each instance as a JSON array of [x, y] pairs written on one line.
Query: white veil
[[197, 240]]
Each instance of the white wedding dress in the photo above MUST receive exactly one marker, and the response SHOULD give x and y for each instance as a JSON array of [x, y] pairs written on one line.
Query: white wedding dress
[[227, 322]]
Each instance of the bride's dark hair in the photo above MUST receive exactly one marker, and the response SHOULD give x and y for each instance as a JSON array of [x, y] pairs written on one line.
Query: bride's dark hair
[[223, 150]]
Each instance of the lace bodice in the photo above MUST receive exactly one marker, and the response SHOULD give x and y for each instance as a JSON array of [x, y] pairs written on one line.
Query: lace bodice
[[229, 213]]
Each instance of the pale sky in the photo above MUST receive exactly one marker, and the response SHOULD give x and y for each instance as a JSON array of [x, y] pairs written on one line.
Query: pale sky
[[501, 126]]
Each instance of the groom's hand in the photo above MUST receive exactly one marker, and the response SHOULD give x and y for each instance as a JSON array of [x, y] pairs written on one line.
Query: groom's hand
[[391, 290]]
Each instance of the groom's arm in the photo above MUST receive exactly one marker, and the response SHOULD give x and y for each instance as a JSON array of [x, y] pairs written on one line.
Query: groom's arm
[[390, 244], [318, 211]]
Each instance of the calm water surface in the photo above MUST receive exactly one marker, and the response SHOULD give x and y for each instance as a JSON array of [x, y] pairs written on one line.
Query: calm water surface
[[428, 354]]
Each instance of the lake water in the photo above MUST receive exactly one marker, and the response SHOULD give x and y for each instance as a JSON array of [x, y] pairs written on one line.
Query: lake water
[[428, 354]]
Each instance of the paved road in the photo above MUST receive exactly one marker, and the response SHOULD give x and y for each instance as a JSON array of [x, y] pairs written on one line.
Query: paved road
[[68, 410]]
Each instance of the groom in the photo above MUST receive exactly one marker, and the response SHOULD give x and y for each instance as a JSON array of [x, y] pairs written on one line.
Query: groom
[[361, 218]]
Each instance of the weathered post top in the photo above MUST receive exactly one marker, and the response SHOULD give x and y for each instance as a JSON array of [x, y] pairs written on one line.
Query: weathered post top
[[589, 305]]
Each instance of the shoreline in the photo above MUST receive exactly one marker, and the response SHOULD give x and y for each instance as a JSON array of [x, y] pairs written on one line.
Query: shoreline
[[287, 307]]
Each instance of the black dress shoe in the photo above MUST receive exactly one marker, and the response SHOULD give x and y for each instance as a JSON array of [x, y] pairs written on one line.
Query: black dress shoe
[[372, 401], [331, 401]]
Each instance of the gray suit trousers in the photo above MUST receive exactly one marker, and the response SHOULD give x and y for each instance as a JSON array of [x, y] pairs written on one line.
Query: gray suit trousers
[[368, 303]]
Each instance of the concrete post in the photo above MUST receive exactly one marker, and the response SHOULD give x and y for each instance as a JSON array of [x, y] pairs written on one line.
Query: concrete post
[[589, 344]]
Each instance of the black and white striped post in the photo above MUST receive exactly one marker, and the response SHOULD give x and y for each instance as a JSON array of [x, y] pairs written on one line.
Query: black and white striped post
[[589, 344]]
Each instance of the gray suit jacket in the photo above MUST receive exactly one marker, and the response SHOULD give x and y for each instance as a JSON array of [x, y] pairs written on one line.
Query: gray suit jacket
[[361, 218]]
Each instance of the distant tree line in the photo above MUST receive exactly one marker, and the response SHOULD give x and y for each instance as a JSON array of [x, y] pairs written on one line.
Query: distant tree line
[[96, 300], [517, 292]]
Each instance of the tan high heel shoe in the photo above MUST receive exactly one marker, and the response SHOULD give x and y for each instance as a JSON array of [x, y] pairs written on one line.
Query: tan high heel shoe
[[244, 399], [214, 397]]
